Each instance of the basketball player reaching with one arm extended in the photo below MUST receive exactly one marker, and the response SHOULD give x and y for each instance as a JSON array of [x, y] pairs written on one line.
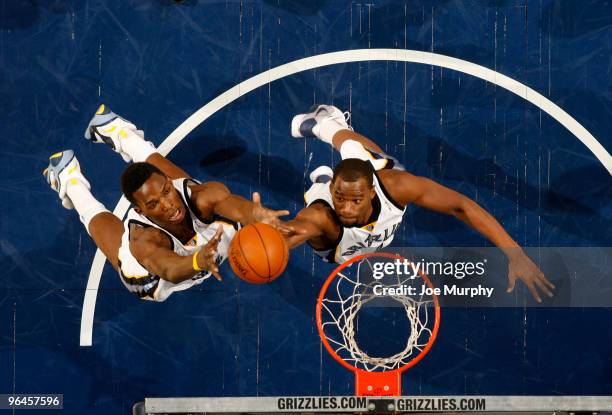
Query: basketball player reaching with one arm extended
[[178, 231], [357, 207]]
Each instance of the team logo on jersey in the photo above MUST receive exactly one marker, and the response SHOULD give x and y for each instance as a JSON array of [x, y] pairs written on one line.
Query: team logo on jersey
[[378, 239]]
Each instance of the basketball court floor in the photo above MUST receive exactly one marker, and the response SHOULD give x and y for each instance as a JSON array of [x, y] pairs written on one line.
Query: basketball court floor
[[508, 102]]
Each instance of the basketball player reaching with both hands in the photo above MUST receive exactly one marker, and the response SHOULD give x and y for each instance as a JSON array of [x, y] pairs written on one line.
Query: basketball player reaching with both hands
[[357, 207], [178, 231]]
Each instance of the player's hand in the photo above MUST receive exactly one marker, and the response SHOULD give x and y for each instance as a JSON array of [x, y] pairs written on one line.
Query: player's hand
[[296, 234], [264, 215], [208, 254], [521, 267], [288, 230]]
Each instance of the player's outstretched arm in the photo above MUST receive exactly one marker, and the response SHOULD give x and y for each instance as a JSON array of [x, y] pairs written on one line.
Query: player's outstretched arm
[[406, 188], [214, 198], [152, 249], [310, 224]]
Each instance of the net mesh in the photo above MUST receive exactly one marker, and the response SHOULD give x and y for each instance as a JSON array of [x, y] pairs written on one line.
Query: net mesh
[[351, 290]]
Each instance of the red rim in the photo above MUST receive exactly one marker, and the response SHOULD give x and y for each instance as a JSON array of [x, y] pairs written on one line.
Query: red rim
[[332, 352]]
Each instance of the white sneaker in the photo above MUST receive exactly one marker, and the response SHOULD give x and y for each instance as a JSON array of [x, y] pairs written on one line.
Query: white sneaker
[[308, 124], [109, 128], [64, 171], [322, 174]]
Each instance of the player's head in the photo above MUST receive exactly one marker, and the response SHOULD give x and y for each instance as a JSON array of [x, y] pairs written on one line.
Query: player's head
[[152, 193], [352, 191]]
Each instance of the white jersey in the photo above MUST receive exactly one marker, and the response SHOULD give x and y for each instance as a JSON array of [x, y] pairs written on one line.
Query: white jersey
[[377, 234], [148, 286]]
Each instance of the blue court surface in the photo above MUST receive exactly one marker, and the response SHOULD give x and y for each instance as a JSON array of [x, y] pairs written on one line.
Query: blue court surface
[[157, 62]]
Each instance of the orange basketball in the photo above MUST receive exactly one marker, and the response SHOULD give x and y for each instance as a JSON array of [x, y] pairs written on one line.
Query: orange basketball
[[258, 253]]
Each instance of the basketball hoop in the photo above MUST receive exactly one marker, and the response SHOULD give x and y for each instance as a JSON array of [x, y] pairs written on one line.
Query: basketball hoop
[[337, 321]]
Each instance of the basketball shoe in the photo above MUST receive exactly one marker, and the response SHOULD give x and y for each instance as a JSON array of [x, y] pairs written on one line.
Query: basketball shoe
[[322, 174], [64, 171], [116, 132], [322, 122]]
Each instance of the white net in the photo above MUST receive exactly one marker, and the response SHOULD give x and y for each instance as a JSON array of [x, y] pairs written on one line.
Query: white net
[[354, 288]]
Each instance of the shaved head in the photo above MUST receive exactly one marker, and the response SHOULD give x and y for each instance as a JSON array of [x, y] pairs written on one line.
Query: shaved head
[[351, 170]]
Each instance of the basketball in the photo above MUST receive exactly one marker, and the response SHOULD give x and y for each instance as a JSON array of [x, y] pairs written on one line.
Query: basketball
[[258, 253]]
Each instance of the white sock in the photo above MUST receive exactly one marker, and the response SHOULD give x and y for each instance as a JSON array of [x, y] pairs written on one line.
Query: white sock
[[136, 147], [84, 202], [326, 130]]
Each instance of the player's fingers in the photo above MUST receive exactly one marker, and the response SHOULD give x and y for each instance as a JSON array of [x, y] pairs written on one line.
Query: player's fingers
[[210, 250], [211, 247], [287, 233], [275, 223], [542, 286], [256, 198], [549, 284], [282, 228], [511, 283], [216, 274], [281, 213], [217, 236], [534, 292]]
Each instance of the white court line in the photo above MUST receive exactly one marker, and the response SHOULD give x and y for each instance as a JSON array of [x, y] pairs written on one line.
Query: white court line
[[346, 56]]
